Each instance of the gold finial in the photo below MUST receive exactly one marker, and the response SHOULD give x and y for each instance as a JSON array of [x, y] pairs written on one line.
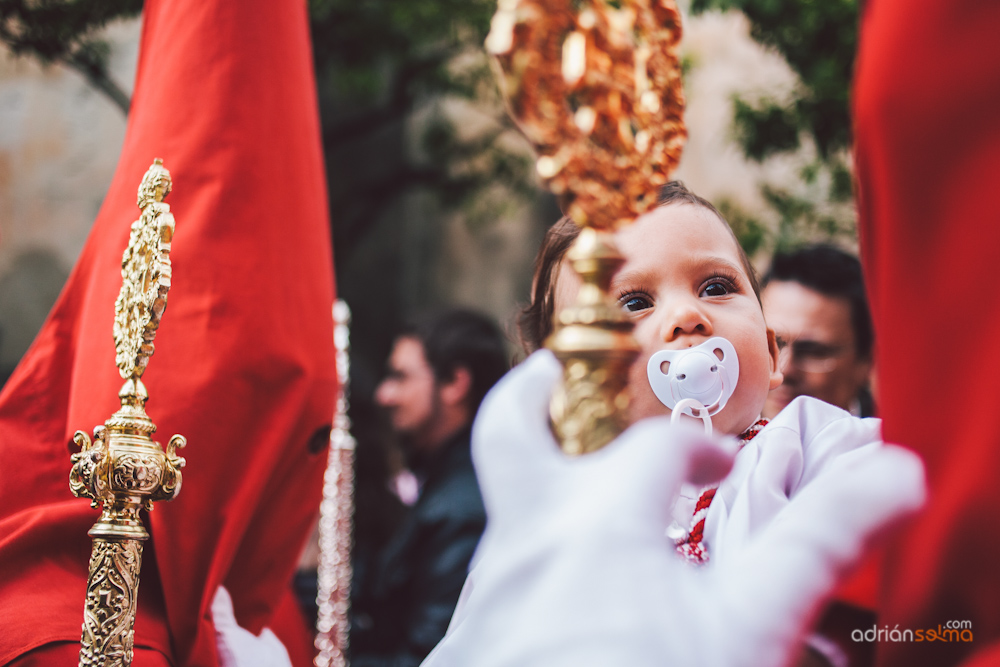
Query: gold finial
[[145, 275], [155, 185], [595, 85], [122, 469]]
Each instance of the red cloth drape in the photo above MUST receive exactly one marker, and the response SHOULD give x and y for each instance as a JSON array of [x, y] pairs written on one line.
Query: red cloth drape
[[244, 356], [927, 92]]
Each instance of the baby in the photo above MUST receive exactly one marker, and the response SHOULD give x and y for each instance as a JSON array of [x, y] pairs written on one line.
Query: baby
[[686, 280]]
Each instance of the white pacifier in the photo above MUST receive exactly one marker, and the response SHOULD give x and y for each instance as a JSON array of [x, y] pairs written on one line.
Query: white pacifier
[[697, 381]]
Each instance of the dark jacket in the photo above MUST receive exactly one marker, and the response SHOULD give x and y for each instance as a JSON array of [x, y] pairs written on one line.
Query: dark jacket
[[402, 612]]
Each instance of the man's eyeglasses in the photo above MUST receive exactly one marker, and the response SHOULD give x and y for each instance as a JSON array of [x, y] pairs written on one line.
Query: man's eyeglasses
[[809, 356]]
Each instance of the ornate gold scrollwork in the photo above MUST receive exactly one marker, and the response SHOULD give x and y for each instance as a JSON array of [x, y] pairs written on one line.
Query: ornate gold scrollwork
[[111, 603], [122, 470], [595, 86]]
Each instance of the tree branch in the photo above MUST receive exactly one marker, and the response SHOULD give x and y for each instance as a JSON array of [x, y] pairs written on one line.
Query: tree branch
[[98, 77]]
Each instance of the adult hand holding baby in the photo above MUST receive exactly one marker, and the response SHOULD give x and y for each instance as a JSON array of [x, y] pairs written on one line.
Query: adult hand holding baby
[[575, 567]]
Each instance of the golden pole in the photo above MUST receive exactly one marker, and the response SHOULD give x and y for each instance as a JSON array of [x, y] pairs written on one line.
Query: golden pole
[[593, 341], [122, 468], [595, 86]]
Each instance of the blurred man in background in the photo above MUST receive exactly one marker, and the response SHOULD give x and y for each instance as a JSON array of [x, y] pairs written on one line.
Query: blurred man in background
[[438, 373], [814, 299]]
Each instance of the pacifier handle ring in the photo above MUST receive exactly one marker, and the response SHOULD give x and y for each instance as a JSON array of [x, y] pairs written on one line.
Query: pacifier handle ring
[[695, 404]]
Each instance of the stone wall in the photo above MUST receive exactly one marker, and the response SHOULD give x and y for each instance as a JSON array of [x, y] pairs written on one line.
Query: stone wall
[[59, 144]]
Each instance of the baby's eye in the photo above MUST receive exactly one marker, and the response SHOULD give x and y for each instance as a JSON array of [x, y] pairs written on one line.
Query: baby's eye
[[717, 287], [633, 303]]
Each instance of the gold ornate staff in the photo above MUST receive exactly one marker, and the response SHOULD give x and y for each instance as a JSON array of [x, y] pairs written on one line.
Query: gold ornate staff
[[122, 468], [595, 86], [336, 514]]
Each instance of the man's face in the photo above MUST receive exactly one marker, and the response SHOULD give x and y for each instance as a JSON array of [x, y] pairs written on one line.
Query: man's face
[[409, 390], [818, 351]]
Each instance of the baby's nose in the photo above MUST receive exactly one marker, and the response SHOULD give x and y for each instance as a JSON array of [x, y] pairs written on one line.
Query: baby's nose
[[684, 317]]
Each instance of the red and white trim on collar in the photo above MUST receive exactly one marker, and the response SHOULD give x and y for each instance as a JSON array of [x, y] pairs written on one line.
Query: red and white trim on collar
[[691, 547]]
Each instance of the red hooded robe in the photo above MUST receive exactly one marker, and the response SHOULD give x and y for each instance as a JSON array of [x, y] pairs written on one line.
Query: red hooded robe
[[927, 142]]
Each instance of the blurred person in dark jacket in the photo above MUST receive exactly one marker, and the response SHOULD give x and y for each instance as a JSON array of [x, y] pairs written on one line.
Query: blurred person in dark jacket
[[440, 369]]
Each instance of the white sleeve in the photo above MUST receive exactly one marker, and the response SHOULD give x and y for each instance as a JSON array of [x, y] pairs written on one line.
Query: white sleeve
[[828, 432], [790, 453]]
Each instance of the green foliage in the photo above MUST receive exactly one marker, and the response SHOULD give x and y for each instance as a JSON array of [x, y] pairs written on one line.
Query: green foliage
[[64, 31], [377, 61], [53, 29], [818, 39], [842, 187], [386, 52], [765, 131], [801, 219]]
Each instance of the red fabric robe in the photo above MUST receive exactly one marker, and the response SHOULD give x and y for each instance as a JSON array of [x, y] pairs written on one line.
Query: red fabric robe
[[244, 363], [927, 134]]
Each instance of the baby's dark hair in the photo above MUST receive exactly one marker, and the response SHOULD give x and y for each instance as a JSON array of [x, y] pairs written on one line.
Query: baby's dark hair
[[534, 321]]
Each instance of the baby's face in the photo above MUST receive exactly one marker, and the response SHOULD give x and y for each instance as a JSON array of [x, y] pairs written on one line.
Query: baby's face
[[683, 283]]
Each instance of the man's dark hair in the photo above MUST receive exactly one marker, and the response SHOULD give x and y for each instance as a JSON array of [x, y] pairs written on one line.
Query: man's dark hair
[[833, 273], [459, 338]]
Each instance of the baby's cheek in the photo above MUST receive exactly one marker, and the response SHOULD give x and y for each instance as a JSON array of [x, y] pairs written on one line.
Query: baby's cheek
[[751, 393]]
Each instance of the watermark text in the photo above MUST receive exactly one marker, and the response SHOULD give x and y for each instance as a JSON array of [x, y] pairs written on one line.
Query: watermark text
[[952, 631]]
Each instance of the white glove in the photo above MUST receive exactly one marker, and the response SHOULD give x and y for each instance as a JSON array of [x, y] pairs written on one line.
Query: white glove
[[238, 647], [575, 568]]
